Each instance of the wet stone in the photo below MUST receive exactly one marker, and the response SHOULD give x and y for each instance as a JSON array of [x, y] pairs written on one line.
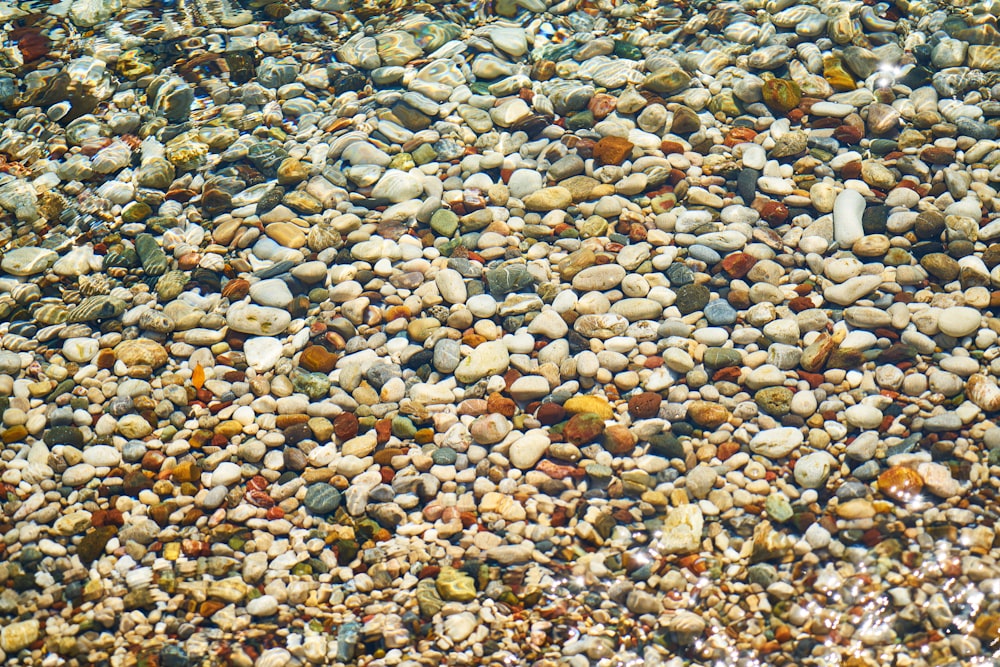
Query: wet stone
[[322, 499], [692, 298]]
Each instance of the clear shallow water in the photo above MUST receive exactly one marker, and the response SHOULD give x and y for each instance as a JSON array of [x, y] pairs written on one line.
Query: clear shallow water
[[499, 333]]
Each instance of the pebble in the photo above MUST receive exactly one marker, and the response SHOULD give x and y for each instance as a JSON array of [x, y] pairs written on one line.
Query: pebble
[[525, 290]]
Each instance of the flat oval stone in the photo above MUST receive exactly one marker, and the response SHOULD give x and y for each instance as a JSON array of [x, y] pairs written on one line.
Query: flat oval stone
[[776, 443], [257, 320], [959, 321], [27, 261], [322, 498]]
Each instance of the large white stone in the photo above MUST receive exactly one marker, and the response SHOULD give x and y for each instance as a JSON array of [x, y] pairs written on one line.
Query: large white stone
[[265, 605], [451, 286], [489, 358], [272, 292], [847, 211], [226, 474], [775, 443], [959, 321], [257, 320], [397, 186], [102, 455], [80, 350], [682, 530], [27, 261], [526, 451], [262, 352], [852, 289]]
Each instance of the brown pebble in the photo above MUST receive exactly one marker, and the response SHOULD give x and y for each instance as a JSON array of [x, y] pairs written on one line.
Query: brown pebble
[[345, 426], [645, 405]]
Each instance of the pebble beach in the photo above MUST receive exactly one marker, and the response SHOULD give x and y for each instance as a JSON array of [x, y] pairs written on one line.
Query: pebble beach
[[587, 333]]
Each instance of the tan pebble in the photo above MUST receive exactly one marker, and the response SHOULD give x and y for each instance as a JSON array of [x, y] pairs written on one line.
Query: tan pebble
[[859, 508]]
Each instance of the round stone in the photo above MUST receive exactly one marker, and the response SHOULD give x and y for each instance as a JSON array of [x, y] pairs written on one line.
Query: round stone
[[812, 470], [959, 321], [322, 498], [692, 298]]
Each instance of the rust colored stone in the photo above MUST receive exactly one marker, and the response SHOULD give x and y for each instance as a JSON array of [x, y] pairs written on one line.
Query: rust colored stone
[[814, 379], [550, 413], [105, 358], [739, 135], [345, 425], [937, 155], [383, 429], [773, 212], [500, 405], [851, 170], [728, 374], [601, 105], [800, 303], [645, 405], [317, 359], [619, 440], [557, 471], [612, 150], [847, 134], [669, 147], [583, 428], [727, 450], [738, 264]]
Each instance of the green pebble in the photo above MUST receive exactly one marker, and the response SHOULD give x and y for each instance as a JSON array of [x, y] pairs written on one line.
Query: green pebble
[[626, 50], [593, 227], [444, 222], [402, 161], [403, 428], [583, 120], [445, 456], [319, 294], [425, 154], [598, 471], [136, 211], [778, 507]]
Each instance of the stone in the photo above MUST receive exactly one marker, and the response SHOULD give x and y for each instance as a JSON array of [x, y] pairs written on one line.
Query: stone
[[489, 358], [583, 428], [681, 531], [455, 585], [272, 292], [645, 405], [589, 403], [612, 150], [257, 320], [900, 483], [27, 261], [527, 450], [776, 443], [262, 352], [692, 298], [80, 350], [322, 498], [707, 414], [959, 321], [265, 605], [317, 359], [848, 210], [549, 199], [812, 470], [19, 635], [141, 352]]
